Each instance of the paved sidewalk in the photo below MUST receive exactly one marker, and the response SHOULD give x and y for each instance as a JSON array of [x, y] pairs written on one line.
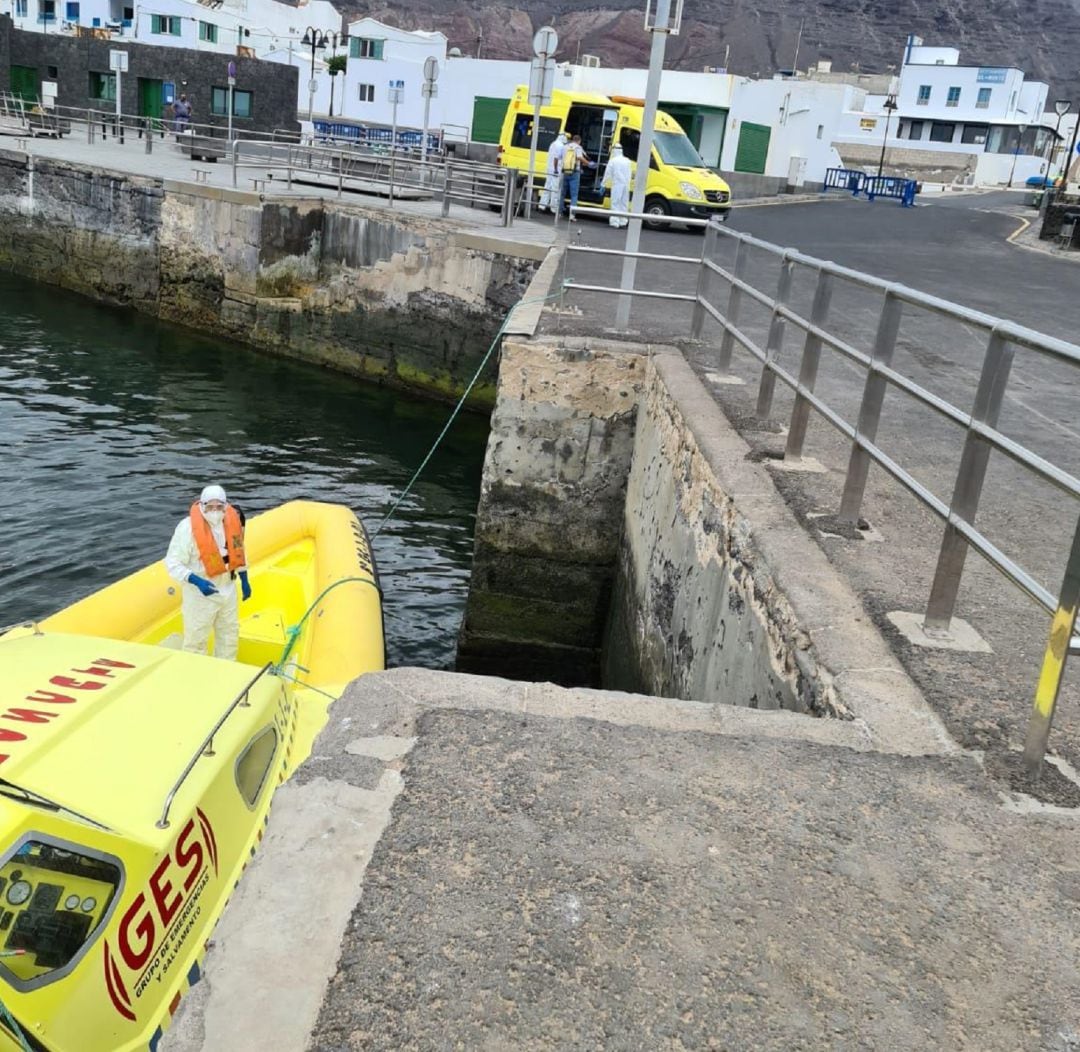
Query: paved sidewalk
[[167, 163], [554, 869]]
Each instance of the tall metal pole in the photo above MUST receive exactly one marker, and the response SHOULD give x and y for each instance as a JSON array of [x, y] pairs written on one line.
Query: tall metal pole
[[545, 42], [641, 181], [1072, 151]]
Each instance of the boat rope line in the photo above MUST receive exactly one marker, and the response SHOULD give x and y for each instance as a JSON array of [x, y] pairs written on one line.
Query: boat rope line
[[460, 403], [11, 1024], [292, 634], [308, 686]]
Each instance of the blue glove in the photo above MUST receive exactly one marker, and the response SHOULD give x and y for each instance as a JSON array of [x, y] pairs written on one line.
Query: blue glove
[[245, 588], [202, 584]]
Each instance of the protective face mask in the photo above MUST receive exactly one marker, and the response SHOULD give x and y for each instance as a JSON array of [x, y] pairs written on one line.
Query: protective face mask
[[215, 518]]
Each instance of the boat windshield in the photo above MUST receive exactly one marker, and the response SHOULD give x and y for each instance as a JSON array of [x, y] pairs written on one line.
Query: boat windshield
[[675, 148], [53, 899]]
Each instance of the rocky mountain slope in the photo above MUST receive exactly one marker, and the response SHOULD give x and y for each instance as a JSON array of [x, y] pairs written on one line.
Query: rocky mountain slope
[[759, 36]]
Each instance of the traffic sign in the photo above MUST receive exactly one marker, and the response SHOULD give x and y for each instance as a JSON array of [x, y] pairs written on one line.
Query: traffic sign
[[431, 68], [118, 60], [545, 42]]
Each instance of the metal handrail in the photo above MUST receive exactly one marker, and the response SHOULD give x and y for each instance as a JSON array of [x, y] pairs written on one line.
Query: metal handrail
[[979, 424], [206, 748]]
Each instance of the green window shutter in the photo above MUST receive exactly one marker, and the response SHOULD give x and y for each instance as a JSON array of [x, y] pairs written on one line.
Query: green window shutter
[[753, 149], [354, 47], [174, 26], [377, 48], [155, 23], [487, 119]]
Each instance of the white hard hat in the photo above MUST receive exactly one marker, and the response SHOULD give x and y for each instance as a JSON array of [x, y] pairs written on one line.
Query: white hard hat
[[213, 493]]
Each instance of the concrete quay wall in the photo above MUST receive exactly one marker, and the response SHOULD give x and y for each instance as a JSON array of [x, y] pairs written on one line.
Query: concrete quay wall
[[402, 299], [624, 538]]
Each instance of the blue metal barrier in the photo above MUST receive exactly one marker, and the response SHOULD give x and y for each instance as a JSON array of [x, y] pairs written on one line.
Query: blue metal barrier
[[903, 190], [845, 179], [359, 133]]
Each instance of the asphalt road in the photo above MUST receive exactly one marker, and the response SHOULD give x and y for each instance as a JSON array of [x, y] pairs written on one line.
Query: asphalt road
[[954, 248]]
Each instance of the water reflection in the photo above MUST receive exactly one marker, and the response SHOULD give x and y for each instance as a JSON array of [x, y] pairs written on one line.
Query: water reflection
[[112, 421]]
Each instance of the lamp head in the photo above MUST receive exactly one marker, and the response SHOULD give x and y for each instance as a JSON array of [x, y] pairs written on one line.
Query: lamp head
[[1062, 106]]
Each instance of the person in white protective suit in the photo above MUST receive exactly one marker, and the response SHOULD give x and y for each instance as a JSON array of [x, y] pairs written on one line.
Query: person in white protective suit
[[549, 199], [617, 180], [205, 557]]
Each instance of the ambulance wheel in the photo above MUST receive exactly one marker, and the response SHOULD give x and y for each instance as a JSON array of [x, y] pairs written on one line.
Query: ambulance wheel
[[656, 206]]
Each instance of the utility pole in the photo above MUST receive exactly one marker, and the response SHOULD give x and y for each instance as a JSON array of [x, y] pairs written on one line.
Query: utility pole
[[889, 105], [541, 80], [660, 26], [798, 44], [429, 90]]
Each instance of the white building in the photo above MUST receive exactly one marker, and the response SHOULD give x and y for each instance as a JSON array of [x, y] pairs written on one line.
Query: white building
[[989, 120], [254, 28], [737, 124]]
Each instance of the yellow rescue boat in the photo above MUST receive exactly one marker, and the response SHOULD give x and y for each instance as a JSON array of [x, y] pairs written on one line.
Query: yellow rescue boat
[[136, 779]]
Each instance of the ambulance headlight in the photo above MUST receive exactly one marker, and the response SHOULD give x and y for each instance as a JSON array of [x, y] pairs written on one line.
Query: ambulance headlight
[[691, 191]]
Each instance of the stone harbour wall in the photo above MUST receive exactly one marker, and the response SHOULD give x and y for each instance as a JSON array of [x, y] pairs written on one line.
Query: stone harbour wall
[[551, 506], [625, 540], [400, 299]]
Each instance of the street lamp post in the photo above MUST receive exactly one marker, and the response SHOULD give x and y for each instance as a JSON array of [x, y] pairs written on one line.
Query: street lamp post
[[1061, 107], [314, 39], [889, 106], [1020, 129]]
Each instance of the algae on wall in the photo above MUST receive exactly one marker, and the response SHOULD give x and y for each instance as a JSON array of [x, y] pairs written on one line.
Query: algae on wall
[[399, 299]]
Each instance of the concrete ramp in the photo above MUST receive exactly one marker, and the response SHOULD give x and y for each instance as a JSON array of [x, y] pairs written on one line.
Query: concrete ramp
[[477, 864]]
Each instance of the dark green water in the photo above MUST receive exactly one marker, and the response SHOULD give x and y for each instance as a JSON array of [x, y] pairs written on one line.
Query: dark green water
[[111, 423]]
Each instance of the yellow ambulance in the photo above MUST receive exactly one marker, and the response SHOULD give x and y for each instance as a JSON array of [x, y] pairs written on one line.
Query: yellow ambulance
[[680, 183]]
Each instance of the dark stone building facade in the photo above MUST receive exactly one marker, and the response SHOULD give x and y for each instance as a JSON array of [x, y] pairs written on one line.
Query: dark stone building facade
[[77, 64]]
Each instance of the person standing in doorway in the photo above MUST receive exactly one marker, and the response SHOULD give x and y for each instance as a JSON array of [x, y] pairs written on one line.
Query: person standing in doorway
[[206, 556], [549, 199], [181, 114], [617, 180], [573, 158]]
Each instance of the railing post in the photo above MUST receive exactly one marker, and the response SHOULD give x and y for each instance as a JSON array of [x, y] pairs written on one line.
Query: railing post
[[870, 410], [775, 342], [341, 177], [968, 486], [393, 162], [508, 197], [1053, 667], [708, 250], [738, 270], [90, 127], [149, 136], [289, 165], [448, 182], [808, 370], [235, 159]]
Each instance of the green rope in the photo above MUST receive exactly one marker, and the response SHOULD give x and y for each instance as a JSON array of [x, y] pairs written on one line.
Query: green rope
[[9, 1022], [308, 686], [293, 634], [457, 408]]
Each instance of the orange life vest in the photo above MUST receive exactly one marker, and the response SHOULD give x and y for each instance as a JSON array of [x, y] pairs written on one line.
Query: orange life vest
[[209, 553]]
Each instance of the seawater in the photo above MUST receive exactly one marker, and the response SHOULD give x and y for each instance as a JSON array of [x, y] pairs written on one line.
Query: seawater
[[111, 423]]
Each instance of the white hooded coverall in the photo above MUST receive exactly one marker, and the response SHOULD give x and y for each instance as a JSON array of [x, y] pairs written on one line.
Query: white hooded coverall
[[549, 199], [617, 178], [204, 613]]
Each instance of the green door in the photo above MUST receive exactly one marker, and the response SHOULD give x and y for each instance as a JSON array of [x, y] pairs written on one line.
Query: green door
[[150, 98], [753, 148], [24, 82], [487, 118]]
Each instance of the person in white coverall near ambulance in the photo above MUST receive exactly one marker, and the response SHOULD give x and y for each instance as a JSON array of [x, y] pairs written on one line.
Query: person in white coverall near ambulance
[[617, 180], [549, 199], [205, 557]]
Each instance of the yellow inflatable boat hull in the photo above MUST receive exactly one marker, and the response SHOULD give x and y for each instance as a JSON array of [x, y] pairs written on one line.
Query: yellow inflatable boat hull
[[136, 779]]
